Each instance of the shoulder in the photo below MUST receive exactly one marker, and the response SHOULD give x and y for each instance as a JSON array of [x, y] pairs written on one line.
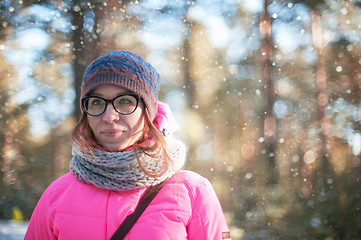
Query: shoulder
[[68, 187], [65, 179], [62, 183], [193, 182], [188, 177], [67, 195], [58, 187]]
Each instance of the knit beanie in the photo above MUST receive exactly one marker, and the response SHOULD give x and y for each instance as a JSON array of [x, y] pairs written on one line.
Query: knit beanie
[[127, 70]]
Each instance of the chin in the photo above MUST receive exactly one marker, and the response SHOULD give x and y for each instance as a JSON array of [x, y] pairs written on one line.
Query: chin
[[116, 147]]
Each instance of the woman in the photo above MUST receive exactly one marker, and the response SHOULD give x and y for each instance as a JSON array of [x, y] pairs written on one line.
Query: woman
[[122, 145]]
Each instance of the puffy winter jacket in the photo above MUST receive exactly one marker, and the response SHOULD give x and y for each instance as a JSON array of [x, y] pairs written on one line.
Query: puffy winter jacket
[[185, 208]]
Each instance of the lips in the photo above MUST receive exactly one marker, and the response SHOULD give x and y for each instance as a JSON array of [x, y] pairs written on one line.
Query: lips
[[112, 132]]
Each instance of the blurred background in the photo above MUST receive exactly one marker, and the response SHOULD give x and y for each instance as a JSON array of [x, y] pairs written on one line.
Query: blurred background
[[267, 94]]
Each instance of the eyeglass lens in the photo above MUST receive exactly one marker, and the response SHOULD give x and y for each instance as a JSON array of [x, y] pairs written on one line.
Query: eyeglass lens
[[124, 104]]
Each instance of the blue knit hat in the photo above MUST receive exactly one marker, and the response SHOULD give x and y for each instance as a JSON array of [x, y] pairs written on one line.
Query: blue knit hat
[[127, 70]]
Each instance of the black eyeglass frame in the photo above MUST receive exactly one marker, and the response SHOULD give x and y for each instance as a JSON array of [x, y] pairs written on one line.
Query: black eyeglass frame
[[107, 101]]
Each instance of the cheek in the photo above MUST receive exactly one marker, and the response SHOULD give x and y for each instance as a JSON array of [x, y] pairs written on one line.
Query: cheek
[[137, 119], [93, 123], [137, 124]]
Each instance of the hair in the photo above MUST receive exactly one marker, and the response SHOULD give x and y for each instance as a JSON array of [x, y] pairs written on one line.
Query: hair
[[84, 137]]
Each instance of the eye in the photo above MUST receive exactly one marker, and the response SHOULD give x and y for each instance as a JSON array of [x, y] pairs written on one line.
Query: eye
[[125, 100], [95, 102]]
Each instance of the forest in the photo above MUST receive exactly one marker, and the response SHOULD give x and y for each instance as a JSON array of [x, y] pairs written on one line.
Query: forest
[[267, 94]]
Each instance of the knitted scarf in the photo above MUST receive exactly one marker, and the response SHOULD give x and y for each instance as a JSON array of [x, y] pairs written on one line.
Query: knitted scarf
[[121, 170]]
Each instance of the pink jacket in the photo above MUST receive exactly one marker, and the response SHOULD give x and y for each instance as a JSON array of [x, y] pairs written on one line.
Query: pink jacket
[[185, 208]]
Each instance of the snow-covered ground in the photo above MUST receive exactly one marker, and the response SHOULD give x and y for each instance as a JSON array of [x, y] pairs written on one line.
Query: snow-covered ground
[[11, 230]]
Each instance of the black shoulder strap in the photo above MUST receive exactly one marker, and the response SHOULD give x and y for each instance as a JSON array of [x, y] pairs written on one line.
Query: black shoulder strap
[[130, 220]]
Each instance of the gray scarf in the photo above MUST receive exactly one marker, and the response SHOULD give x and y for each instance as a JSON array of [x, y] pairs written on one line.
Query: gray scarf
[[121, 170]]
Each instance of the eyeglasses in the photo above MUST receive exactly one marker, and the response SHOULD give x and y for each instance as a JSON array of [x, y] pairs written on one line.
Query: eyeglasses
[[124, 104]]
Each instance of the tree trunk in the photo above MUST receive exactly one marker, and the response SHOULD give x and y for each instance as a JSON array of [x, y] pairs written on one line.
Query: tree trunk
[[79, 67], [188, 80], [187, 62], [85, 44], [270, 123], [326, 171], [322, 98]]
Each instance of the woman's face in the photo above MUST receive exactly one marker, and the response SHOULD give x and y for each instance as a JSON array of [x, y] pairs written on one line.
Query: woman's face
[[113, 131]]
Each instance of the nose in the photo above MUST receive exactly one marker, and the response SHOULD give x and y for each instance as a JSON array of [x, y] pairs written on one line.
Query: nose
[[110, 115]]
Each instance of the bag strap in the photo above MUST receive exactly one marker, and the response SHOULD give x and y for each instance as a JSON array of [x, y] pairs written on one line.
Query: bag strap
[[130, 220]]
